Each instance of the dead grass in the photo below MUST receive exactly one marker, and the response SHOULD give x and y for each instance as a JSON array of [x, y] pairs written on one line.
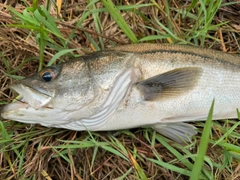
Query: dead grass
[[29, 153]]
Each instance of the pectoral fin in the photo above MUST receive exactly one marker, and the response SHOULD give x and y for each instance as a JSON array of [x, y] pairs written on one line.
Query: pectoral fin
[[171, 83], [179, 132]]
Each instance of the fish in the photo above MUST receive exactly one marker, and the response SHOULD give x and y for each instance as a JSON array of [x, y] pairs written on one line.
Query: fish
[[160, 86]]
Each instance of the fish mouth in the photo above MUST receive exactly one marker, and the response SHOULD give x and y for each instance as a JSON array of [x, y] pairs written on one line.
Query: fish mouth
[[36, 98]]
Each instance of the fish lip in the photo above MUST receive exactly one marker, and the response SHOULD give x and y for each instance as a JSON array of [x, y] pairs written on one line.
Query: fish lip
[[33, 97]]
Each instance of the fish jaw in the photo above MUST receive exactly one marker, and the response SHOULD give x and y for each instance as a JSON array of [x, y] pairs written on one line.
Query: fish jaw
[[46, 116], [32, 102], [36, 98]]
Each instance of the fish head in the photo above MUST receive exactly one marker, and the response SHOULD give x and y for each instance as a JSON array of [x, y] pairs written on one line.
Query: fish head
[[52, 96]]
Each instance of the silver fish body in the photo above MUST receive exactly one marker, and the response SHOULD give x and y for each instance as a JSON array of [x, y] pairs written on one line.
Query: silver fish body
[[160, 86]]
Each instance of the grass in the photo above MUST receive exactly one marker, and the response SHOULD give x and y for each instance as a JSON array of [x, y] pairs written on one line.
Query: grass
[[199, 162], [33, 36]]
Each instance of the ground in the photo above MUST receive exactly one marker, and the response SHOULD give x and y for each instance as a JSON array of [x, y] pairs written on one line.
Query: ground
[[34, 34]]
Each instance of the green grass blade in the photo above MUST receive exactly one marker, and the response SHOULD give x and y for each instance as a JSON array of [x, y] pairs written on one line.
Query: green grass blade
[[42, 45], [119, 20], [193, 5], [13, 76], [43, 16], [25, 17], [171, 167], [98, 25], [5, 62], [134, 7], [136, 166], [230, 147], [58, 55], [229, 131], [94, 156], [154, 37], [17, 68], [175, 152], [124, 176], [114, 151], [197, 167], [35, 4]]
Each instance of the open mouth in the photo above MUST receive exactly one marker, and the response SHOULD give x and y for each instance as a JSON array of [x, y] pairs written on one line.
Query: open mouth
[[27, 106], [30, 97]]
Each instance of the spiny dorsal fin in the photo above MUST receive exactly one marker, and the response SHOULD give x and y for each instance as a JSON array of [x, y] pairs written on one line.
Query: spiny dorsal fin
[[170, 83]]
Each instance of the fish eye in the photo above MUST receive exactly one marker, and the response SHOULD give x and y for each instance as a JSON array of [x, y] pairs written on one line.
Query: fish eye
[[48, 74]]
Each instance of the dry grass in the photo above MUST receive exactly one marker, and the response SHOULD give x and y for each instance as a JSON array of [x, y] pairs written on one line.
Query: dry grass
[[44, 153]]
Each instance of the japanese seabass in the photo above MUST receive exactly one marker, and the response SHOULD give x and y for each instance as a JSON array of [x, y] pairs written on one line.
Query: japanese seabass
[[145, 85]]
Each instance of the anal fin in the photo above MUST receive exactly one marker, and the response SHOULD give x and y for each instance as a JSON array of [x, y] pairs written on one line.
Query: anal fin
[[179, 132]]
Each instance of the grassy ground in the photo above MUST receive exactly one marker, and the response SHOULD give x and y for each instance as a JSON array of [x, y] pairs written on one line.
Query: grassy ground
[[33, 36]]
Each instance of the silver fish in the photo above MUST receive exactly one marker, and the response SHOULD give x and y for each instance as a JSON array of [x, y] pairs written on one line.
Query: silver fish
[[144, 85]]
